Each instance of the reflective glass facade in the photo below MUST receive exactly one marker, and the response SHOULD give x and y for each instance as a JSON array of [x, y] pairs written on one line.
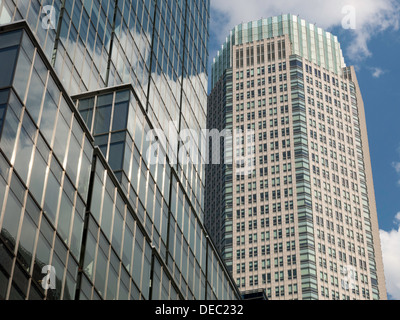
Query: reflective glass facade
[[46, 156], [77, 192], [95, 44]]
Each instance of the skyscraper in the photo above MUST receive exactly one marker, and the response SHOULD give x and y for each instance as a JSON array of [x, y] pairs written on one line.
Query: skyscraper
[[293, 209], [84, 214]]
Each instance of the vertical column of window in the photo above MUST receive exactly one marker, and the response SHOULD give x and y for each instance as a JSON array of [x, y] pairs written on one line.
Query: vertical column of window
[[227, 170], [363, 189], [304, 203], [279, 50]]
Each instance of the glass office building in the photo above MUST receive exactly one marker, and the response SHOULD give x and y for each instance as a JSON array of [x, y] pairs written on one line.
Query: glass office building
[[79, 200], [300, 222]]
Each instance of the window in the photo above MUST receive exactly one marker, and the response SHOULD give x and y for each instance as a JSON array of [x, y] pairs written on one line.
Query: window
[[121, 111], [8, 56], [103, 114], [3, 106]]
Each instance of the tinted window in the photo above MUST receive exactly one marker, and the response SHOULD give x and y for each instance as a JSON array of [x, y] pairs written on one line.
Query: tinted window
[[8, 57]]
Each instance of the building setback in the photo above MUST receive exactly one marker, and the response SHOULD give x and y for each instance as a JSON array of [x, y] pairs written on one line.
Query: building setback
[[293, 209], [83, 214]]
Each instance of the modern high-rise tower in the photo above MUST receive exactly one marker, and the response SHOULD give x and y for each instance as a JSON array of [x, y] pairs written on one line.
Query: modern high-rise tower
[[292, 209], [84, 213]]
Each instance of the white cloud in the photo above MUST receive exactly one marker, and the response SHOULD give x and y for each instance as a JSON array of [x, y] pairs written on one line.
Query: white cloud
[[397, 218], [371, 17], [396, 166], [377, 72], [390, 243]]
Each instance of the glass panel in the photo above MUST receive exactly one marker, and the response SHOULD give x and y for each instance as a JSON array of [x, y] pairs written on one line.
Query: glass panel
[[70, 287], [103, 114], [48, 119], [64, 218], [112, 284], [42, 257], [137, 264], [73, 158], [84, 176], [117, 231], [51, 199], [11, 219], [24, 150], [127, 252], [116, 153], [96, 198], [86, 110], [4, 96], [90, 252], [76, 237], [59, 267], [35, 95], [16, 294], [22, 74], [3, 285], [26, 242], [101, 268], [62, 132], [10, 39], [106, 217], [9, 134], [8, 57], [34, 294], [120, 116], [38, 175], [3, 108]]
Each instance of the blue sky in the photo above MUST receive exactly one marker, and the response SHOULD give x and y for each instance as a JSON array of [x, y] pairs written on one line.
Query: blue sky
[[373, 47]]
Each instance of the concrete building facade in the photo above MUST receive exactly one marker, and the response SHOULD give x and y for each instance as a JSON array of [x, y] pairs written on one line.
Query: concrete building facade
[[293, 209]]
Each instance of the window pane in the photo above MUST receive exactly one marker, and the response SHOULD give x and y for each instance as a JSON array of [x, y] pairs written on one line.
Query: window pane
[[10, 39], [76, 236], [62, 132], [9, 134], [42, 257], [3, 108], [116, 155], [3, 285], [27, 241], [48, 117], [51, 199], [22, 74], [86, 110], [37, 177], [106, 216], [102, 119], [8, 57], [24, 153], [11, 219], [35, 95], [73, 158], [84, 176], [120, 116], [64, 218], [103, 114], [101, 268]]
